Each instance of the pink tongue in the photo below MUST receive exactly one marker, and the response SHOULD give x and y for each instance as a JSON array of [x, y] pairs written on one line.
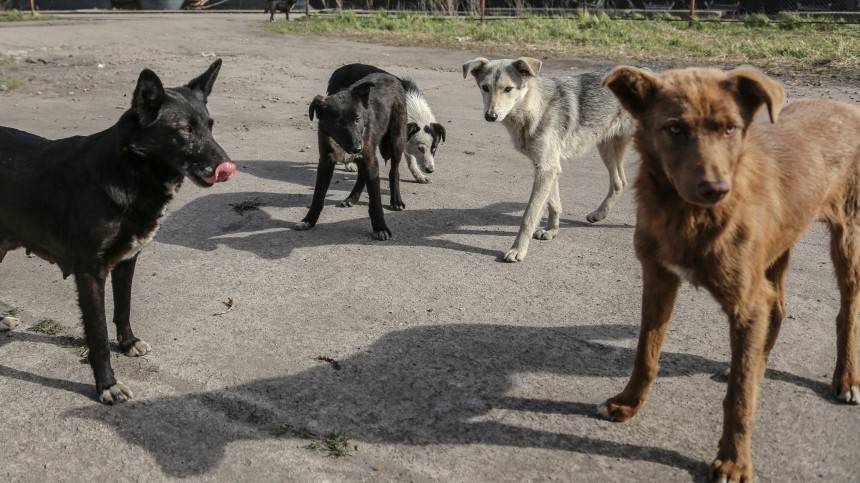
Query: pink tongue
[[223, 172]]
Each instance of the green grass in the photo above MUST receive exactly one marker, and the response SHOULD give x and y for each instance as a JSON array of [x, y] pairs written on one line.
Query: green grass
[[47, 326], [16, 16], [336, 445], [790, 42], [9, 84]]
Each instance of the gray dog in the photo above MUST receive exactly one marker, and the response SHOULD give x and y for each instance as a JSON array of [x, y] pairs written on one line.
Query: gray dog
[[550, 119]]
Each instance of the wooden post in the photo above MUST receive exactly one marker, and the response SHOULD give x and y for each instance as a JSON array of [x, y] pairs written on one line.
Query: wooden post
[[308, 9], [33, 7], [483, 7], [692, 13]]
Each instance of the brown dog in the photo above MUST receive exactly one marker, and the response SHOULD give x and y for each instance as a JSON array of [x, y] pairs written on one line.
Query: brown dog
[[721, 201]]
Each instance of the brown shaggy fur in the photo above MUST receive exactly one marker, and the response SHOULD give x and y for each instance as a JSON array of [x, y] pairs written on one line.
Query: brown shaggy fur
[[696, 132]]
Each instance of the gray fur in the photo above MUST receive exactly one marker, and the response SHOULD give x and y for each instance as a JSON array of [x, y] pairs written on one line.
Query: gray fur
[[550, 119]]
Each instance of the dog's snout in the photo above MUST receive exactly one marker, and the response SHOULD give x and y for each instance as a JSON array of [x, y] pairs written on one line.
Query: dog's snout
[[429, 169], [356, 148], [713, 191], [491, 116]]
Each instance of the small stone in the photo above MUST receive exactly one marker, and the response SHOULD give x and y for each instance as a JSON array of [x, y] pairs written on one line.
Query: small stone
[[8, 323]]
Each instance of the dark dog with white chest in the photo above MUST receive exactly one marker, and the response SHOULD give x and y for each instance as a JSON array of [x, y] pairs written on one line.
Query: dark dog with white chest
[[370, 114], [91, 203]]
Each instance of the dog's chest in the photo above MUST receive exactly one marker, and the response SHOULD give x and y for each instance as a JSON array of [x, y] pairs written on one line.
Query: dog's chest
[[681, 271]]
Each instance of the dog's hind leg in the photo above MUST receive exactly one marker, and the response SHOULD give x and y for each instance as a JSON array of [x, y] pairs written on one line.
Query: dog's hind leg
[[546, 177], [91, 297], [612, 153], [121, 277], [394, 151], [845, 252], [553, 215]]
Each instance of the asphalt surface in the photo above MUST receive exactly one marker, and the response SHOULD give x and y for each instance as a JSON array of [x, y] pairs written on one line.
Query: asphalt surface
[[453, 365]]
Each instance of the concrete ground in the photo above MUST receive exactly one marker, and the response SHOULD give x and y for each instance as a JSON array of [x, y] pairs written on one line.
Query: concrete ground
[[453, 365]]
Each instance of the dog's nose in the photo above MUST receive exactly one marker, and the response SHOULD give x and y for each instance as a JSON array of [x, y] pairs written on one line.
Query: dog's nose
[[713, 191], [356, 148], [429, 169], [491, 116]]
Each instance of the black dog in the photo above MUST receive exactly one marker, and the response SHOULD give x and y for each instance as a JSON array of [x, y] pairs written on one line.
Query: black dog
[[272, 7], [355, 121], [90, 203]]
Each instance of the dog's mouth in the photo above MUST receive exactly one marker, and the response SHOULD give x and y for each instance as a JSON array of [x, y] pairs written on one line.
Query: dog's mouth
[[223, 172]]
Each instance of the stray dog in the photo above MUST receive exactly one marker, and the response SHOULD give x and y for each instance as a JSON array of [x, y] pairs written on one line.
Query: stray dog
[[423, 132], [355, 121], [91, 203], [550, 119], [272, 7], [721, 201]]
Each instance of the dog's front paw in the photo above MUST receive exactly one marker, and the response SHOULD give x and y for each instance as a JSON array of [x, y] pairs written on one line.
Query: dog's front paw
[[383, 234], [397, 205], [302, 226], [116, 394], [725, 470], [596, 216], [515, 255], [422, 179], [351, 167], [848, 394], [8, 323], [616, 410], [137, 348], [545, 234], [346, 203]]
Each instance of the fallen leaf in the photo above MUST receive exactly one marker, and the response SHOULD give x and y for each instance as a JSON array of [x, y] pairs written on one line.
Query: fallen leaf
[[230, 304]]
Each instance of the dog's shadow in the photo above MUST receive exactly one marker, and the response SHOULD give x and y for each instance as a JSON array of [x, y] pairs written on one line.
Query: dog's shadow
[[242, 221], [419, 386]]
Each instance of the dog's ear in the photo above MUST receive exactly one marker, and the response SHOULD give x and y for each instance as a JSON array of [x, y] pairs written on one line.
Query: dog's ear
[[204, 82], [438, 131], [361, 92], [752, 89], [528, 66], [411, 129], [633, 87], [474, 67], [316, 107], [148, 96]]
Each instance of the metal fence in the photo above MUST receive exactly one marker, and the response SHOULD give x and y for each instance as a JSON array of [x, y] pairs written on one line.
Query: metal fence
[[504, 8]]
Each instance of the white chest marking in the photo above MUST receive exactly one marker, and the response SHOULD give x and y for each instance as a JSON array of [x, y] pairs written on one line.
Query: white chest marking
[[683, 272]]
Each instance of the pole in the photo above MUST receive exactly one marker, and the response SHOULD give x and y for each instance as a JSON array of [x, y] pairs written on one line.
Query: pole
[[483, 7], [33, 7], [692, 12], [307, 9]]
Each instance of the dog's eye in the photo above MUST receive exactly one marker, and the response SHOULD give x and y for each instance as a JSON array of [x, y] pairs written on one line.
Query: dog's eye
[[508, 89], [184, 130], [485, 88], [674, 128], [356, 119], [730, 130]]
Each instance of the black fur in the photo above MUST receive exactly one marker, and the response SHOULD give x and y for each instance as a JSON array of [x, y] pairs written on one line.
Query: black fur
[[87, 203], [272, 7], [370, 114]]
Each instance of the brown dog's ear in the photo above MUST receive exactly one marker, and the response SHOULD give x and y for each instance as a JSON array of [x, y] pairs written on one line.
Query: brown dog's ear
[[316, 106], [474, 67], [527, 66], [633, 87], [362, 92], [753, 89]]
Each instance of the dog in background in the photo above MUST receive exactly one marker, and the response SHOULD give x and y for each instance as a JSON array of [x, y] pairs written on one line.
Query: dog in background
[[272, 7], [721, 201], [355, 121], [91, 203], [423, 132], [549, 119]]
